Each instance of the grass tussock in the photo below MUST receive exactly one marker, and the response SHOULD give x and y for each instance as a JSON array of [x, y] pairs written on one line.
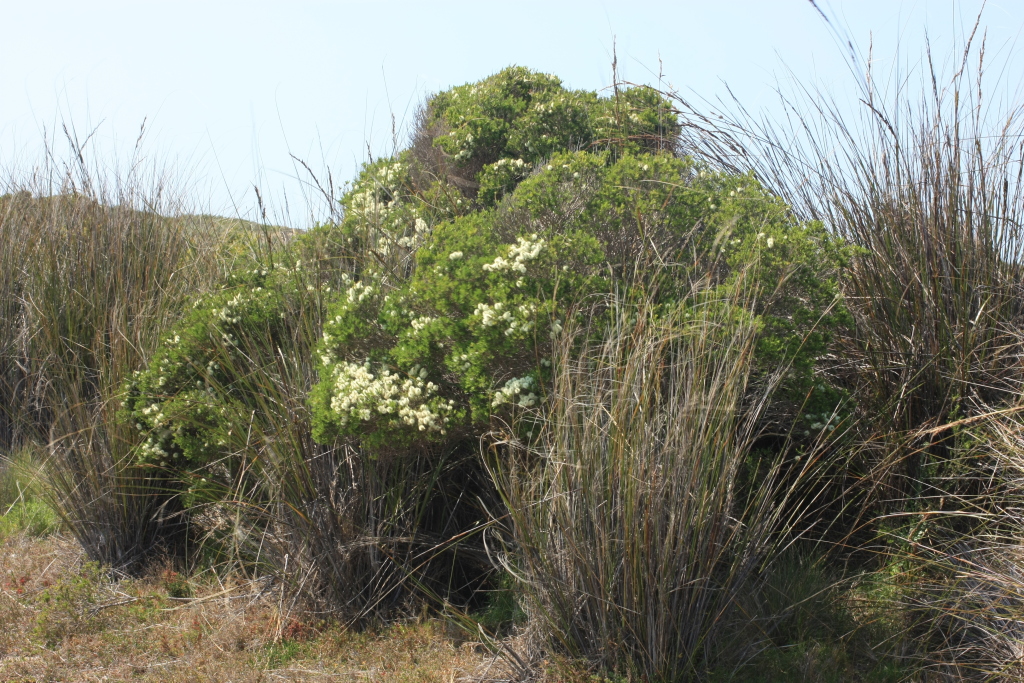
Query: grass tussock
[[95, 269], [927, 184], [637, 527]]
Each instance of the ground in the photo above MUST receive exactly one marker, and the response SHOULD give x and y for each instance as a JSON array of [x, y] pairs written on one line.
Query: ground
[[62, 619]]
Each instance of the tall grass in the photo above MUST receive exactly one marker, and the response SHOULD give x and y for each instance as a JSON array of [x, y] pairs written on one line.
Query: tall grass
[[963, 587], [927, 178], [928, 183], [636, 534], [96, 265]]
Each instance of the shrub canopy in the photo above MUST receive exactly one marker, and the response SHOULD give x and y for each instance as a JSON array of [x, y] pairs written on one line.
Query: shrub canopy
[[518, 207]]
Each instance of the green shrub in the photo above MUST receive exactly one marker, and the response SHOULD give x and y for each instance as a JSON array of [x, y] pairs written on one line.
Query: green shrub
[[209, 375], [492, 133], [427, 316], [468, 335]]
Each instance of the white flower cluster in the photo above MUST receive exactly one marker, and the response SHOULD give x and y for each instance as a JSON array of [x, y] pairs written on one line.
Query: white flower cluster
[[369, 197], [491, 315], [228, 314], [358, 292], [367, 203], [389, 174], [526, 249], [151, 446], [154, 410], [421, 322], [820, 422], [521, 319], [516, 387], [419, 234], [524, 323], [514, 164], [359, 394], [455, 255], [465, 146]]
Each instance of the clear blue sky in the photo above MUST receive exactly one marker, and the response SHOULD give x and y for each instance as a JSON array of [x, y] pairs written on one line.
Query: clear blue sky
[[230, 89]]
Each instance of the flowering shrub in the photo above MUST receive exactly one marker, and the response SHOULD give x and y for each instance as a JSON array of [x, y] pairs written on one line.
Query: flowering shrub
[[490, 290], [441, 308], [186, 403]]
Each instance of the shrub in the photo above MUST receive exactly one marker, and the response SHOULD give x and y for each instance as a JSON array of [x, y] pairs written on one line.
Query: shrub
[[490, 134], [469, 334], [431, 312], [191, 395]]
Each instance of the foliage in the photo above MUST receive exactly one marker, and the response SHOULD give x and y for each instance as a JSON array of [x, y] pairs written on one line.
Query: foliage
[[190, 397], [312, 405], [444, 313], [469, 334], [319, 412]]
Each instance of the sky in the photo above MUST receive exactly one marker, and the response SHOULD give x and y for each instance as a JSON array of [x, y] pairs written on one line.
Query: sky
[[230, 92]]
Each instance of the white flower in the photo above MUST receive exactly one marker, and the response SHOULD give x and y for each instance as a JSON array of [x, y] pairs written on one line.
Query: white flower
[[489, 314], [357, 293], [359, 394], [516, 387], [525, 249], [455, 255], [770, 242], [421, 322]]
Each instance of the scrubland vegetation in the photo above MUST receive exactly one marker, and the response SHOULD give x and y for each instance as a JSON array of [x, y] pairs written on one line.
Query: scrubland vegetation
[[574, 387]]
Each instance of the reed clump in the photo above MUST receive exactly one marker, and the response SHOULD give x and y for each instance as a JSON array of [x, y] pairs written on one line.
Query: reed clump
[[924, 179]]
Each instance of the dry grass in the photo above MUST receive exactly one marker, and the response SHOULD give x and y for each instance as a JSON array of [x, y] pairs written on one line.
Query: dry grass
[[61, 619]]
